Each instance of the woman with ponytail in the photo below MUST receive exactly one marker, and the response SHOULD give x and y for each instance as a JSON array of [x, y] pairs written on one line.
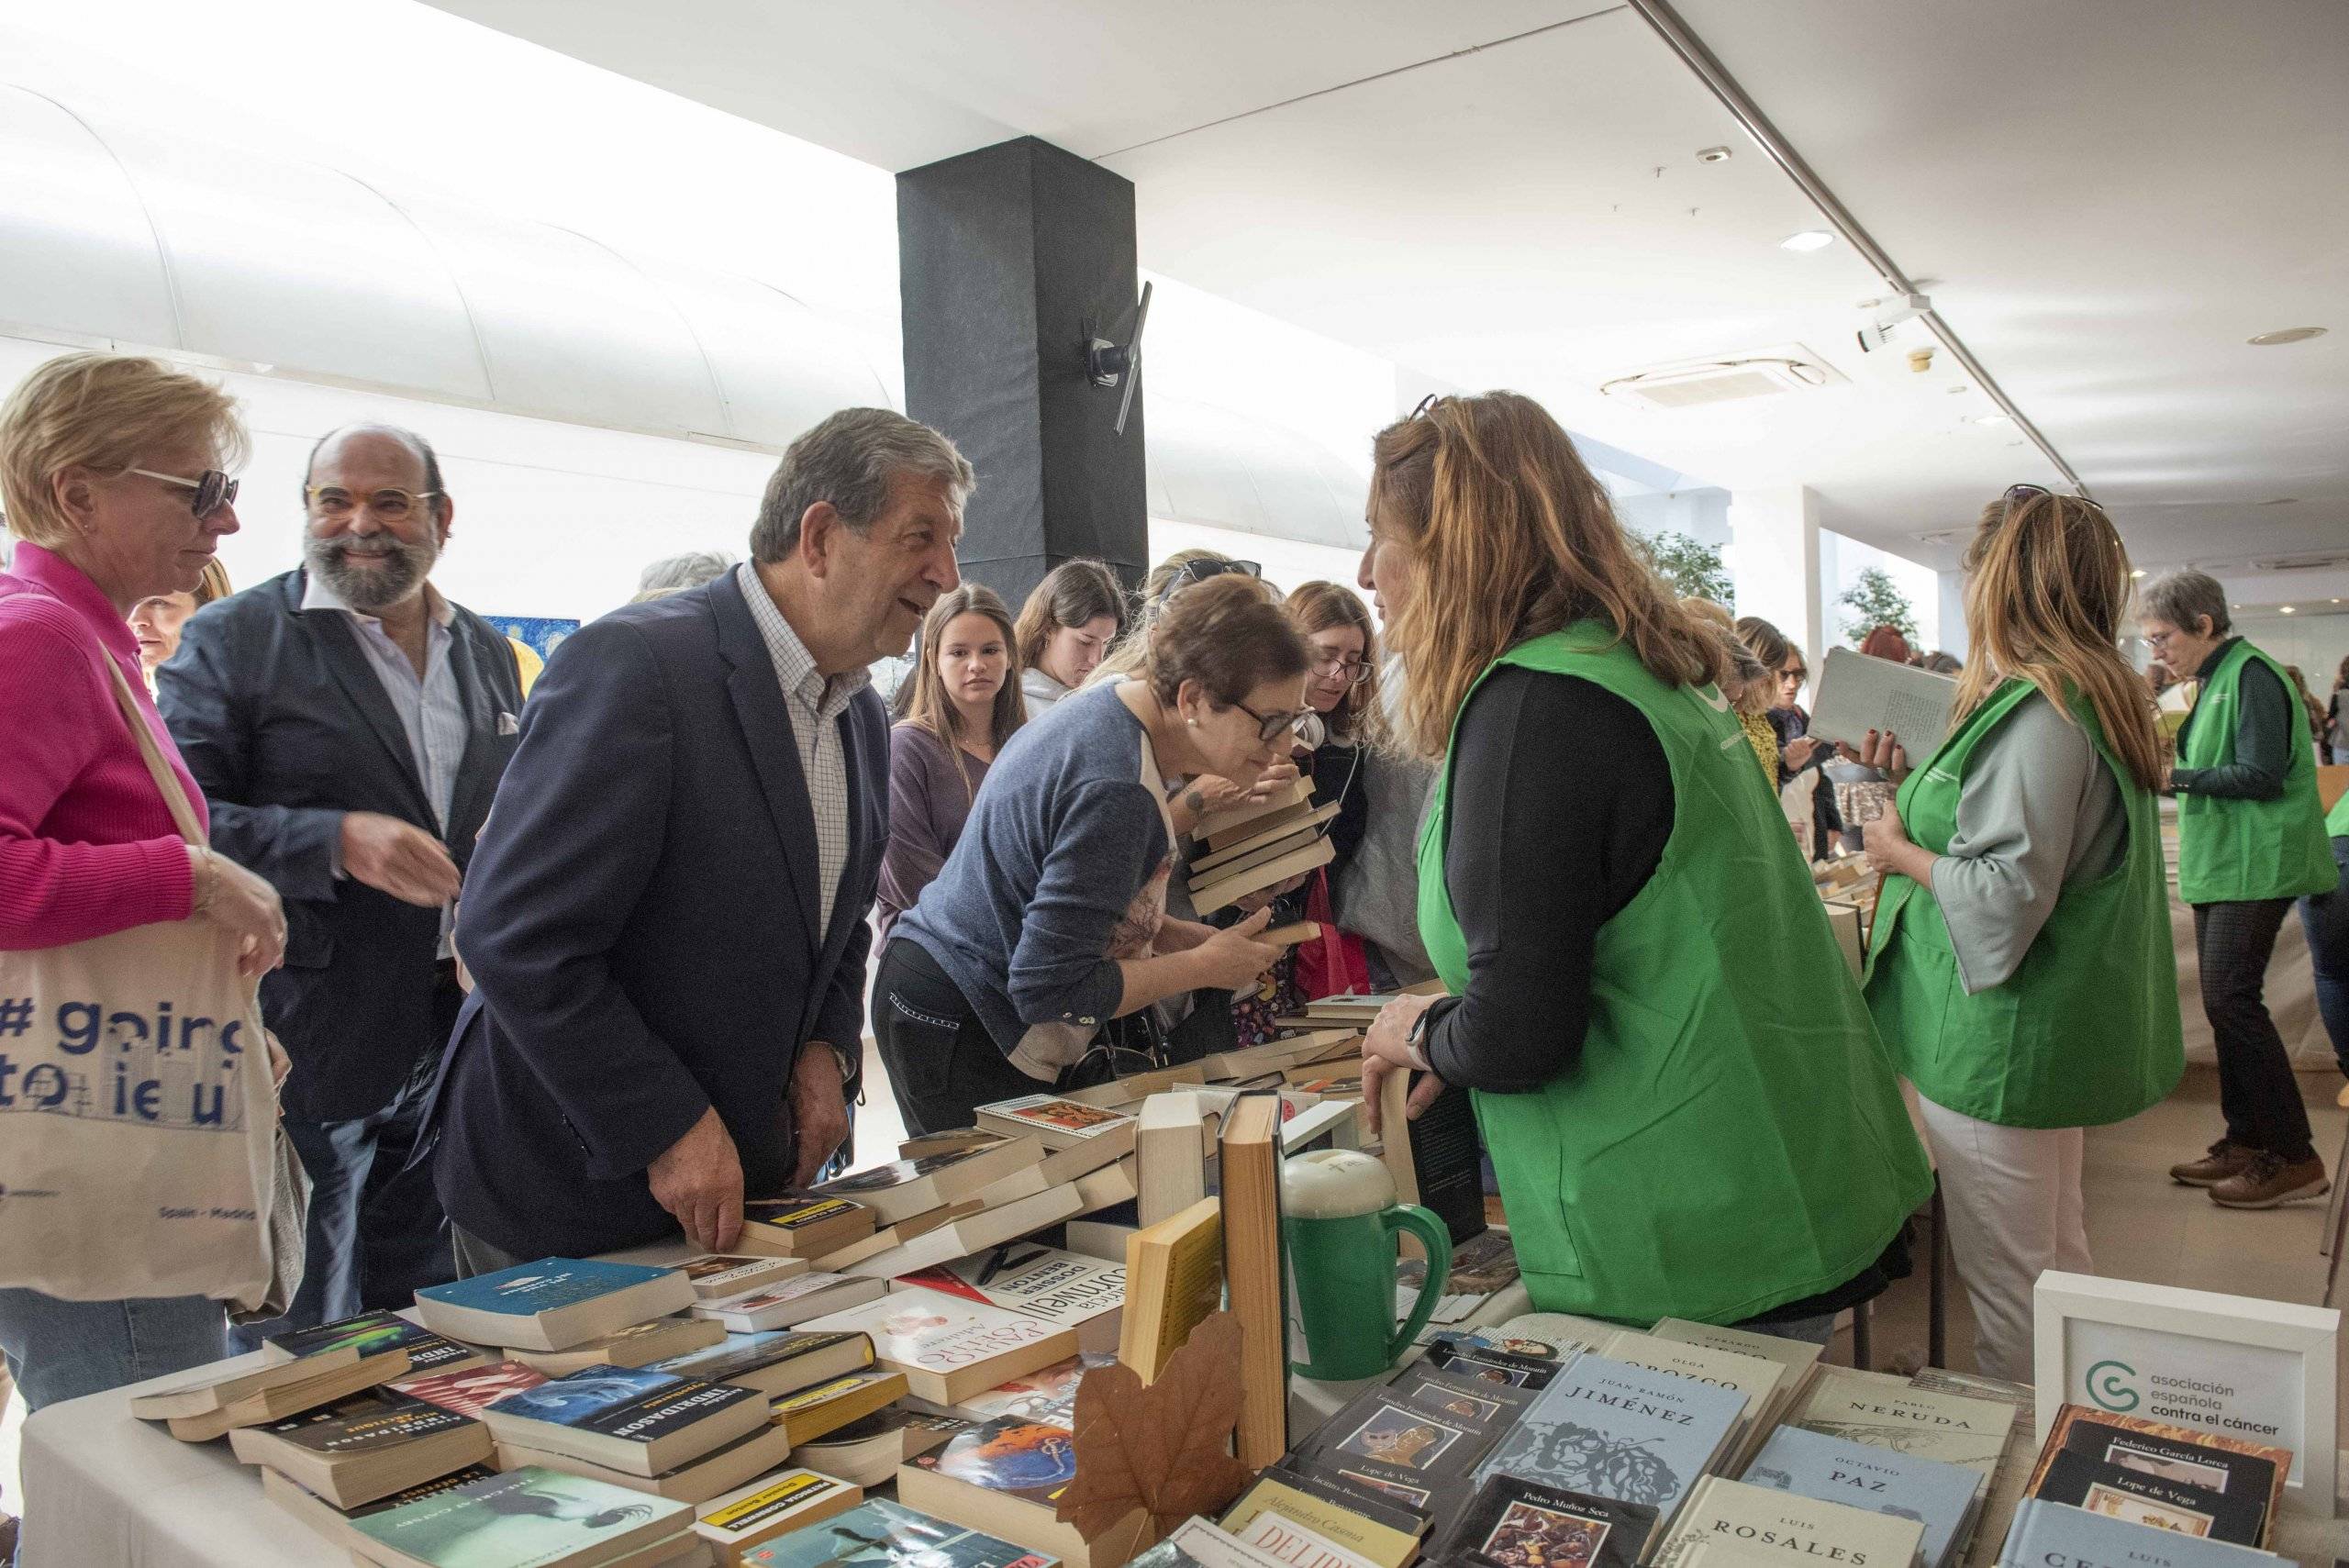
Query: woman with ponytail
[[1683, 1098], [2020, 967]]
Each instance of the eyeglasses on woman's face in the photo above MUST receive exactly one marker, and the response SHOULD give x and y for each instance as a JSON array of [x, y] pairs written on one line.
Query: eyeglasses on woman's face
[[1353, 671], [1273, 726]]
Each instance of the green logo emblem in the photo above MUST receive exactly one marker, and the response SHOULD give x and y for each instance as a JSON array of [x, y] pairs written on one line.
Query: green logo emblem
[[2109, 1386]]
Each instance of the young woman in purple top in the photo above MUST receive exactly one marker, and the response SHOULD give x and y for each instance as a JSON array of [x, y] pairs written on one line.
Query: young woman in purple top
[[960, 706]]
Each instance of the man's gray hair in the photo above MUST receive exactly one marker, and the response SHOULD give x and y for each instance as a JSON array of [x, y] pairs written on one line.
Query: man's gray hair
[[851, 459], [690, 570], [2183, 598]]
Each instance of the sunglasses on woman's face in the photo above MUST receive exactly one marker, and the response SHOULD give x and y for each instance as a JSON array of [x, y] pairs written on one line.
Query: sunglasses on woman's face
[[1200, 570], [213, 489]]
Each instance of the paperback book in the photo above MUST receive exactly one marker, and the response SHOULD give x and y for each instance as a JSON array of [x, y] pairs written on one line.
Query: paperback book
[[802, 1227], [1524, 1524], [1273, 1492], [1060, 1123], [950, 1349], [366, 1447], [635, 1419], [1271, 1541], [774, 1362], [1944, 1498], [1947, 1427], [783, 1304], [526, 1516], [553, 1303], [812, 1412], [2141, 1496], [2056, 1535], [869, 1448], [1613, 1430], [731, 1274], [1047, 1394], [773, 1506], [1004, 1477], [698, 1480], [372, 1334], [212, 1402], [470, 1391], [903, 1188], [639, 1344], [1789, 1524], [878, 1534], [1044, 1283], [2236, 1467]]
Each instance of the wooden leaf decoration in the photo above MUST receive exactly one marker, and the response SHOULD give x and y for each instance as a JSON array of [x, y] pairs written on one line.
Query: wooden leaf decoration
[[1148, 1458]]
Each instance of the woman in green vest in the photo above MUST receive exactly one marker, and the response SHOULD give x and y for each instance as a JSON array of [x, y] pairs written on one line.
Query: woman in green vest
[[2325, 917], [2019, 968], [1674, 1072], [2251, 840]]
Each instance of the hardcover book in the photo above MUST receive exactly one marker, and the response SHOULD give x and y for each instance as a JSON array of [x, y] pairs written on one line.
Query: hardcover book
[[2144, 1497], [1941, 1497], [1523, 1524], [903, 1188], [731, 1274], [2056, 1535], [635, 1419], [774, 1362], [773, 1506], [784, 1303], [802, 1227], [372, 1334], [1612, 1430], [526, 1516], [950, 1349], [1790, 1525], [553, 1303], [2236, 1466], [877, 1534]]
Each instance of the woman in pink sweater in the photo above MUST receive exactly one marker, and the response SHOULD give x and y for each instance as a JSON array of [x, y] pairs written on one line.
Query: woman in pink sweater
[[110, 473]]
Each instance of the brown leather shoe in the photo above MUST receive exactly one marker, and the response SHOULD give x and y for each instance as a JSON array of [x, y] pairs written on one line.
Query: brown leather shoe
[[2269, 1180], [2222, 1160]]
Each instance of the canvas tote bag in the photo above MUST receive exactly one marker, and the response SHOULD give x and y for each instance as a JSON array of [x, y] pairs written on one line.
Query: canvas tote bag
[[138, 1127]]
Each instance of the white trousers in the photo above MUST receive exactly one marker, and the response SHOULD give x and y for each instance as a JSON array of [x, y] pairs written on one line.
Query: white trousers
[[2012, 1195]]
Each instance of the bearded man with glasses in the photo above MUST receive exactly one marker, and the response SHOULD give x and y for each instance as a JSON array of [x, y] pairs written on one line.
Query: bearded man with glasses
[[348, 725]]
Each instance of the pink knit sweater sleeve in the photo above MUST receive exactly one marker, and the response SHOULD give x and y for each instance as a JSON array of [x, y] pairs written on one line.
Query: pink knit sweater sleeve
[[80, 852]]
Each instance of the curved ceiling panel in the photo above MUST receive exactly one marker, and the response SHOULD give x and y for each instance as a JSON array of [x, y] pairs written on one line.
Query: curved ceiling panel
[[150, 238], [1211, 466], [76, 250]]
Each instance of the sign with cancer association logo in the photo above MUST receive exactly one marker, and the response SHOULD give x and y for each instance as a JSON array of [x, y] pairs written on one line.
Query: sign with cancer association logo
[[2237, 1390]]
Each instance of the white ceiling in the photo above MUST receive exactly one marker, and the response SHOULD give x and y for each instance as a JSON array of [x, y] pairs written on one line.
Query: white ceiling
[[2106, 197]]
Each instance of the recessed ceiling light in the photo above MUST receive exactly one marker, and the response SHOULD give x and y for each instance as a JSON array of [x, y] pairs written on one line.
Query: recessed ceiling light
[[2289, 335], [1808, 239], [2286, 608], [1992, 419], [1712, 155], [2139, 572]]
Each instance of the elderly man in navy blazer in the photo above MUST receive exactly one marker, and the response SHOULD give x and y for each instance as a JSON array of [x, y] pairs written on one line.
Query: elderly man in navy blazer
[[665, 922], [348, 726]]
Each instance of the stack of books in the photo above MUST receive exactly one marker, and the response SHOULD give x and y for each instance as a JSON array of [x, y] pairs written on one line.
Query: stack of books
[[212, 1401], [2176, 1479], [541, 1518], [1250, 848]]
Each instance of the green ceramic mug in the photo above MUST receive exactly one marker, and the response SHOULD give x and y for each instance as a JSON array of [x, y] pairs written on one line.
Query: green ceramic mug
[[1342, 1227]]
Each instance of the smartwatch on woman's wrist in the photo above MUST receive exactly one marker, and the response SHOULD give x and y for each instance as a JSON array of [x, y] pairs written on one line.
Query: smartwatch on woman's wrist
[[1414, 1044]]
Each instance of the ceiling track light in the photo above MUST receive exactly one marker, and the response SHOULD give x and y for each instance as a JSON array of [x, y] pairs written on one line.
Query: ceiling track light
[[2286, 335]]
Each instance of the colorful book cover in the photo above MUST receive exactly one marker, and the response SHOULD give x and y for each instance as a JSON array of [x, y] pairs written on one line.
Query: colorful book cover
[[878, 1534], [372, 1334], [776, 1294], [528, 1289], [936, 1333], [474, 1390], [2049, 1532], [366, 1423], [2144, 1497], [794, 1213], [1047, 1394], [1938, 1496], [882, 1177], [739, 1354], [1612, 1430], [1042, 1282], [638, 1404], [1033, 1460], [1523, 1524], [2236, 1466], [525, 1516], [1048, 1112]]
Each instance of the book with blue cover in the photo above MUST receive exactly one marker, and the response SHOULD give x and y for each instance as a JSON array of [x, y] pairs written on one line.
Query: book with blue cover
[[372, 1334], [637, 1419], [2057, 1535], [1612, 1430], [1941, 1497], [553, 1303]]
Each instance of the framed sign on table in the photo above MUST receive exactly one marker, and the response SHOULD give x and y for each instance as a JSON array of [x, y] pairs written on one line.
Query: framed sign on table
[[2230, 1364]]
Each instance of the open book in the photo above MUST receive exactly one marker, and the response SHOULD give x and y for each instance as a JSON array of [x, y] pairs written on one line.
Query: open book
[[1857, 693]]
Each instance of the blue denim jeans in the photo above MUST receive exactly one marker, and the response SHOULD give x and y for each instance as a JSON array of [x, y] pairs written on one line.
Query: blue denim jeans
[[2325, 917], [62, 1350]]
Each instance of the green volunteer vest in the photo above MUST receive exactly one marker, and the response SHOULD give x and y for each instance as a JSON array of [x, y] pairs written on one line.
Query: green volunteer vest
[[2233, 851], [2336, 822], [1732, 1137], [2086, 1031]]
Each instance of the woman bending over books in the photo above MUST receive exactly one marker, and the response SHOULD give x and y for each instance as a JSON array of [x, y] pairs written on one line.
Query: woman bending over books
[[2020, 968], [1048, 919], [1688, 1119]]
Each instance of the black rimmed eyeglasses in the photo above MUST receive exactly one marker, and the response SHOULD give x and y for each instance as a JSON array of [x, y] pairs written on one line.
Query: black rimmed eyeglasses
[[213, 488], [1271, 726]]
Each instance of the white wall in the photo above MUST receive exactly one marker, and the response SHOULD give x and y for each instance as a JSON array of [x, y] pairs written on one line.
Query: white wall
[[1841, 562], [2317, 643], [551, 519], [1285, 563]]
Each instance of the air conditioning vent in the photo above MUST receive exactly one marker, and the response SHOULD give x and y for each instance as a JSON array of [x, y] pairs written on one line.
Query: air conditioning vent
[[2311, 562], [1731, 378]]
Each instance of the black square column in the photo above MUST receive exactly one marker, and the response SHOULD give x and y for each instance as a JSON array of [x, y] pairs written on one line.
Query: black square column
[[1005, 256]]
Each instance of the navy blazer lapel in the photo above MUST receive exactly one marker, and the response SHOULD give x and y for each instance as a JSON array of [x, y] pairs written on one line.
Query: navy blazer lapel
[[337, 645], [765, 717]]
